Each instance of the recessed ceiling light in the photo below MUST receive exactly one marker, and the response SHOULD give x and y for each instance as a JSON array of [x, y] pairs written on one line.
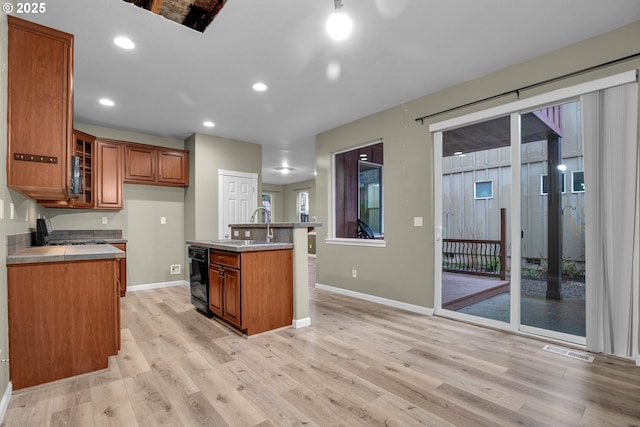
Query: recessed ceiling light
[[209, 124], [107, 102], [124, 42], [259, 87]]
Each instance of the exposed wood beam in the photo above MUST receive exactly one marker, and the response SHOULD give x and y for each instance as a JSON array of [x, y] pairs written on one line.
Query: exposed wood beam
[[155, 5]]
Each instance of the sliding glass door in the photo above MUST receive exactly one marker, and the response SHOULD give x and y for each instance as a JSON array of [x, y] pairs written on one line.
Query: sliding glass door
[[552, 282], [476, 193]]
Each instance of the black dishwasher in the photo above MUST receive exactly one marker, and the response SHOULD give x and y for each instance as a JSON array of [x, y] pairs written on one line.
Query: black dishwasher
[[199, 277]]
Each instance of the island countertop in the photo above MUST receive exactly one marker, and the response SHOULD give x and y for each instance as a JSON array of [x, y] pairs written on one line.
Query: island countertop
[[39, 254], [240, 245]]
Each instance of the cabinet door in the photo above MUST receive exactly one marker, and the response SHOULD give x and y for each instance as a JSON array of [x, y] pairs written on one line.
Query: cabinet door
[[84, 148], [173, 167], [39, 110], [123, 268], [140, 164], [215, 289], [231, 306], [109, 171]]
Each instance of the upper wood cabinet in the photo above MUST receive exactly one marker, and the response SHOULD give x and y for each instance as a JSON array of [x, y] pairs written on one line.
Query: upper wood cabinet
[[153, 165], [84, 149], [39, 110], [109, 174], [100, 169]]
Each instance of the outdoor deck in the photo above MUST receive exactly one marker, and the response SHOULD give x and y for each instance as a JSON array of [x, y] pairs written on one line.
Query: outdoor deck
[[461, 290]]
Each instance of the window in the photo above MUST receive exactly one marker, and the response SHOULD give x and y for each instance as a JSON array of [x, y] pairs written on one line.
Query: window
[[359, 191], [303, 206], [268, 205], [544, 184], [483, 190], [577, 182]]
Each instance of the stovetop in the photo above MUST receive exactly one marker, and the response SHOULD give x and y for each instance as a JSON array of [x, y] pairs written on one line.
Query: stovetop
[[77, 242]]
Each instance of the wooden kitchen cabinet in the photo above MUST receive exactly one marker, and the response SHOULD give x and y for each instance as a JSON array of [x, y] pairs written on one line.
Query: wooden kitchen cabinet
[[123, 268], [153, 165], [101, 171], [252, 291], [109, 174], [84, 148], [39, 110], [63, 319]]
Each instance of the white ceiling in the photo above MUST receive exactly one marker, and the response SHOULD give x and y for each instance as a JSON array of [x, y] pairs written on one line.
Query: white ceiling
[[400, 50]]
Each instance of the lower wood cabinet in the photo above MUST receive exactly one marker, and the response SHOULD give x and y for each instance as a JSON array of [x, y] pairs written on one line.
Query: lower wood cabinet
[[123, 268], [252, 291], [64, 319]]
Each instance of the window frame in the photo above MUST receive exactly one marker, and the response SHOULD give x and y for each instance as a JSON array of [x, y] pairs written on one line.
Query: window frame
[[564, 183], [475, 189], [353, 241], [573, 191]]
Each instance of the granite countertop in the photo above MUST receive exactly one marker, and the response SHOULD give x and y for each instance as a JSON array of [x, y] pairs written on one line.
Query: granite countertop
[[39, 254], [240, 245]]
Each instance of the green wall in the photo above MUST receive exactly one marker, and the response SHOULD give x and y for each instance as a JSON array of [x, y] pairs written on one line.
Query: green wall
[[277, 200], [207, 155], [403, 270], [290, 199]]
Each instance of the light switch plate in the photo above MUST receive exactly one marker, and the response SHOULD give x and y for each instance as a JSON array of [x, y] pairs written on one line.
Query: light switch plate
[[163, 220], [417, 221]]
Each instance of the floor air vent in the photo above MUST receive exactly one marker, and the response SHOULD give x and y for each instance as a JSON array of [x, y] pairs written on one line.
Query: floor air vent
[[568, 353]]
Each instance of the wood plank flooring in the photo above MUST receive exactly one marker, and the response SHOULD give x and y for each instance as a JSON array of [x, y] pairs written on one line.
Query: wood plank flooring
[[359, 364]]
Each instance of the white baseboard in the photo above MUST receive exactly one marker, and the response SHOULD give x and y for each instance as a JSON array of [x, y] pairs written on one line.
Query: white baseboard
[[301, 323], [379, 300], [4, 403], [156, 285]]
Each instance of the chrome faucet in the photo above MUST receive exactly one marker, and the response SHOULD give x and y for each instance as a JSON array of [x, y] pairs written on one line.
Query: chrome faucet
[[269, 230]]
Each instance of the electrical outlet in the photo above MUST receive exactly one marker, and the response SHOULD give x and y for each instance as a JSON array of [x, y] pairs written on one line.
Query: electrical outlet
[[417, 221], [12, 211], [175, 268], [247, 233], [236, 233], [1, 209], [163, 220], [105, 220], [354, 272]]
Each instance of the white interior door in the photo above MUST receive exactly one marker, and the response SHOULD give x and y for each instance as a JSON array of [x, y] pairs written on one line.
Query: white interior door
[[238, 198]]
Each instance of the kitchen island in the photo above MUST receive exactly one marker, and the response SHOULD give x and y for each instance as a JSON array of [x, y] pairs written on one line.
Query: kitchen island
[[295, 233], [64, 311], [250, 283]]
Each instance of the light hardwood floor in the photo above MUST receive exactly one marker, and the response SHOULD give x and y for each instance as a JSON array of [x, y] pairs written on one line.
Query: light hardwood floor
[[358, 364]]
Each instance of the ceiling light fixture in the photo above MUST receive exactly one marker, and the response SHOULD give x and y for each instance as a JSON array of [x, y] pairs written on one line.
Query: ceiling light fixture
[[339, 25], [209, 124], [285, 170], [259, 87], [124, 43], [107, 102]]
